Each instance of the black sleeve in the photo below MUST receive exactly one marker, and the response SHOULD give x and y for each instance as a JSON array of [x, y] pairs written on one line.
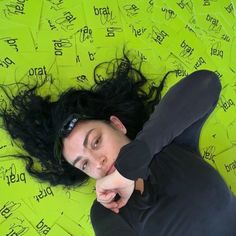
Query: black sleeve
[[185, 103], [107, 223]]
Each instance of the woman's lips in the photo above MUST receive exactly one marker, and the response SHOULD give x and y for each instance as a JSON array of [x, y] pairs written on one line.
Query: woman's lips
[[111, 170]]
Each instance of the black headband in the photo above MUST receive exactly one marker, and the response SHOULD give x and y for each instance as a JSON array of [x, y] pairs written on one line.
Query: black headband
[[70, 122]]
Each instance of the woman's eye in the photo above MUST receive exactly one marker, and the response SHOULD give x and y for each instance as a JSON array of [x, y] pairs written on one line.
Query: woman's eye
[[84, 165], [96, 142]]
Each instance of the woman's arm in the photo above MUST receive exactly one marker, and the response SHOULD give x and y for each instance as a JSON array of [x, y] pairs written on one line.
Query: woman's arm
[[185, 103], [107, 223]]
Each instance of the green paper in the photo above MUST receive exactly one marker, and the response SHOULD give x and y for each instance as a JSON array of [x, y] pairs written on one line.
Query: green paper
[[17, 225], [66, 20], [63, 48], [25, 12], [62, 41], [227, 106], [102, 13], [15, 38], [15, 179], [57, 230], [226, 163]]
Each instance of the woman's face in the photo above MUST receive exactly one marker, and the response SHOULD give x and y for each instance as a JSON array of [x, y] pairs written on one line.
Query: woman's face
[[93, 146]]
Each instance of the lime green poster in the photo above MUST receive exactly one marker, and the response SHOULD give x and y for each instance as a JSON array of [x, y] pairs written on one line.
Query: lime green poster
[[63, 40]]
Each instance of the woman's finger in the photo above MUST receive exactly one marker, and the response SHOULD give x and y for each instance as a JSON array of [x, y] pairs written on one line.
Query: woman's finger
[[111, 205], [121, 202], [115, 210], [106, 197]]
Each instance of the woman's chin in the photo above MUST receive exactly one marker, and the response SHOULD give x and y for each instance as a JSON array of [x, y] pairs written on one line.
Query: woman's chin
[[111, 170]]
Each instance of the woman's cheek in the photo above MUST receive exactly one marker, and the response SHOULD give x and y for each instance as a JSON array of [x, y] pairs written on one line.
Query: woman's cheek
[[95, 175]]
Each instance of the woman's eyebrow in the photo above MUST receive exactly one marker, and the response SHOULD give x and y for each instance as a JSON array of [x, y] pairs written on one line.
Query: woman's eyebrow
[[77, 159], [85, 143]]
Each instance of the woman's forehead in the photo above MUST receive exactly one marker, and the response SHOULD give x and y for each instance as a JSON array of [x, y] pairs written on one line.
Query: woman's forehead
[[74, 141], [79, 136], [82, 128]]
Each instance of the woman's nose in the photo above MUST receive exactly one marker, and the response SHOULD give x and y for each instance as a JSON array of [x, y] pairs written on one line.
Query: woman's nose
[[100, 161]]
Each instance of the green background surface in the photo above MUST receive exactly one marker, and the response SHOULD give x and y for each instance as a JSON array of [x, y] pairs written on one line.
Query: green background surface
[[62, 40]]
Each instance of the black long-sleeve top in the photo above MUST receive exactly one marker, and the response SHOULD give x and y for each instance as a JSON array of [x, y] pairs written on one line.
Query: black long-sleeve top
[[183, 195]]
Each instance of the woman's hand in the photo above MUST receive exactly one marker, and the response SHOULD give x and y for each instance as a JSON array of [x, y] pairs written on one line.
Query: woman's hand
[[107, 188]]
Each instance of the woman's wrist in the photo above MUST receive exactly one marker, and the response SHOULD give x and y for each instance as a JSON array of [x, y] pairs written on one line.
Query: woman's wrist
[[139, 185]]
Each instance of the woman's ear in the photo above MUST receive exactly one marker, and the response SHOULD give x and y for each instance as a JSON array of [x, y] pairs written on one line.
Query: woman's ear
[[116, 122]]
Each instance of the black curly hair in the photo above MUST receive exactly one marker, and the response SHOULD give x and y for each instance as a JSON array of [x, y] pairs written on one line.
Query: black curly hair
[[37, 121]]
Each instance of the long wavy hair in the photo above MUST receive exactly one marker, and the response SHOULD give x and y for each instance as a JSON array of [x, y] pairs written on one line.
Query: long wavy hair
[[36, 120]]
